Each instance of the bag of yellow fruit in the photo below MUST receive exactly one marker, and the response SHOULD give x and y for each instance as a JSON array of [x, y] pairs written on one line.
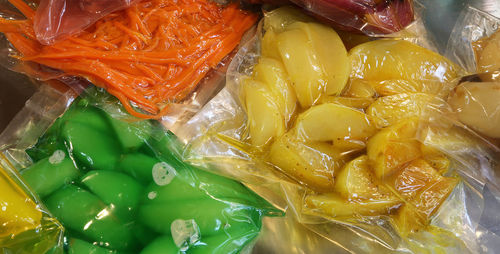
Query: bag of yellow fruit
[[356, 144]]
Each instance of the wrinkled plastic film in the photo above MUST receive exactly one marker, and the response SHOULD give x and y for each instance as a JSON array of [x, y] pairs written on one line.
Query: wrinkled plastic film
[[472, 25], [369, 17], [30, 228], [223, 137], [57, 19]]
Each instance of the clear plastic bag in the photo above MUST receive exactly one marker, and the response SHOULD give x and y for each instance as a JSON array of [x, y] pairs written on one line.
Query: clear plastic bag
[[57, 19], [429, 163], [119, 186], [152, 56], [366, 16]]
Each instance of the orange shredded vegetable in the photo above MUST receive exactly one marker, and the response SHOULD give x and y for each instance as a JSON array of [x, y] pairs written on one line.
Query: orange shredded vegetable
[[151, 54]]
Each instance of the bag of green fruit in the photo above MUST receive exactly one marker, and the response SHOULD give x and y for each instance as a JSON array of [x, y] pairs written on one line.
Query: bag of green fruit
[[119, 186], [356, 133]]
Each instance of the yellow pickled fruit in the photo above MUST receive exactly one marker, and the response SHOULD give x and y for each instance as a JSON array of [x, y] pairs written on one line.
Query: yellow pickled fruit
[[389, 110], [424, 190], [393, 146], [279, 19], [333, 205], [302, 66], [408, 220], [418, 67], [312, 163], [332, 122], [271, 72], [397, 86], [435, 158], [360, 103], [356, 181], [477, 105], [307, 50], [18, 213], [331, 54], [264, 119], [360, 89], [488, 53], [269, 46]]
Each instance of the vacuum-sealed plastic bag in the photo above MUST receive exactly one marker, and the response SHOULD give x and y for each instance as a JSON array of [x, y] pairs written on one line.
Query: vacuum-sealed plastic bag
[[57, 19], [360, 146], [367, 16], [150, 56], [121, 187]]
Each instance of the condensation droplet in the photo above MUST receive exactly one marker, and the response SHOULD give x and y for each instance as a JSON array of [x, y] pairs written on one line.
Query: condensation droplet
[[57, 157], [185, 233], [163, 173], [152, 195]]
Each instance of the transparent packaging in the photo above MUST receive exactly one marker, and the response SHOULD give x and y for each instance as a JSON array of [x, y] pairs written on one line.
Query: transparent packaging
[[153, 56], [367, 155], [57, 19], [365, 16], [121, 187]]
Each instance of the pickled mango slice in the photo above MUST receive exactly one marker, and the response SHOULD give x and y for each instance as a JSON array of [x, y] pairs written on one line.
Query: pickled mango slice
[[302, 65], [357, 181], [313, 163], [388, 110], [424, 190], [332, 122], [333, 205], [330, 53], [402, 61], [264, 119], [273, 74], [18, 213], [392, 147], [307, 50]]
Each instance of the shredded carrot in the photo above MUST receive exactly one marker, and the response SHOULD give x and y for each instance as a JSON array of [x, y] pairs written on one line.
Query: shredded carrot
[[149, 55]]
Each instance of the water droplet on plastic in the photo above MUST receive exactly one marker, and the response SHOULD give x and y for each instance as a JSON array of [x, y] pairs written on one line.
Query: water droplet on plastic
[[57, 157], [185, 233], [152, 195], [163, 173]]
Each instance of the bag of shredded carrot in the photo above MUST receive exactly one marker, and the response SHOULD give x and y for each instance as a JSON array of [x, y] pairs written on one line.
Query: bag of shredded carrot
[[153, 56]]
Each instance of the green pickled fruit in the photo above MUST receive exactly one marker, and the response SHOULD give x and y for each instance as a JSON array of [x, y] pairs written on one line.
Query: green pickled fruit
[[223, 244], [167, 148], [210, 215], [77, 246], [144, 234], [176, 190], [82, 211], [131, 135], [88, 134], [161, 245], [115, 188], [50, 174], [139, 166], [231, 241]]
